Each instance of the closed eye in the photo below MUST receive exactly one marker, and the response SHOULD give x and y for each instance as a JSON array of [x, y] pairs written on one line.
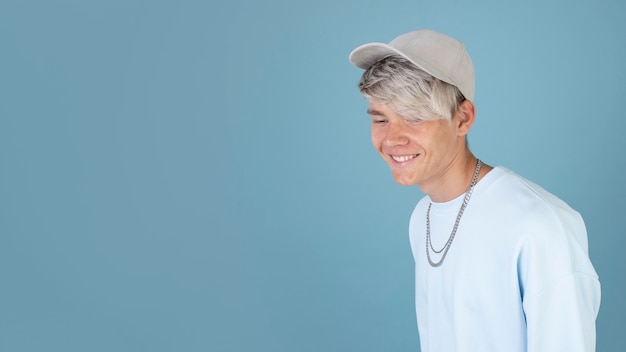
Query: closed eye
[[377, 117]]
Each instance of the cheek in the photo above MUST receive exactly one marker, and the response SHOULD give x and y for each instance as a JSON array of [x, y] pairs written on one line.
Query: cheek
[[377, 138]]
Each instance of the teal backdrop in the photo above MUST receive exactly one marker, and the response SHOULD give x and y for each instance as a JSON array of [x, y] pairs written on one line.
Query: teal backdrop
[[198, 175]]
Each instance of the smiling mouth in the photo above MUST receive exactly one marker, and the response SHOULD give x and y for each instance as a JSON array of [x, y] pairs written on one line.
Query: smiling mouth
[[403, 158]]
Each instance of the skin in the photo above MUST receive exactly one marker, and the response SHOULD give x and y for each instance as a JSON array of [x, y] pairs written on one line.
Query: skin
[[432, 154]]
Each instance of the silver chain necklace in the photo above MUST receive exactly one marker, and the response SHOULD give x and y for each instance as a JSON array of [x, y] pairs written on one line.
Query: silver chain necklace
[[446, 247]]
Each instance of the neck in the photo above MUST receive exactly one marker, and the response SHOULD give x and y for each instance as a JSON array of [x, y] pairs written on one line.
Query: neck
[[455, 179]]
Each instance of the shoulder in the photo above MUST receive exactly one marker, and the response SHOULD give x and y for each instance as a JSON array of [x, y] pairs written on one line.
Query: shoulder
[[512, 194], [552, 235]]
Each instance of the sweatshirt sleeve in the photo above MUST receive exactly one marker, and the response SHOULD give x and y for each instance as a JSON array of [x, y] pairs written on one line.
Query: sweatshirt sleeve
[[560, 288], [562, 316]]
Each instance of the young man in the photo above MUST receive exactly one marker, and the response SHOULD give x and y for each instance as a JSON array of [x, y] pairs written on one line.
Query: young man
[[501, 264]]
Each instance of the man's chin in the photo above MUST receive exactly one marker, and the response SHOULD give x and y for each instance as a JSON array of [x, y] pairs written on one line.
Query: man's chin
[[404, 181]]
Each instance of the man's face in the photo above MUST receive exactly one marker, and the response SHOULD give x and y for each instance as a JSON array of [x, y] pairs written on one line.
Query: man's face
[[418, 152]]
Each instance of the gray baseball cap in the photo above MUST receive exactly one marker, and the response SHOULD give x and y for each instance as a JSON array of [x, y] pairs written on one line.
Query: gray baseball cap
[[438, 54]]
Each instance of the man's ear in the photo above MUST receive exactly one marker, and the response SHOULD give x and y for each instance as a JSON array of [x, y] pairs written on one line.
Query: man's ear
[[466, 114]]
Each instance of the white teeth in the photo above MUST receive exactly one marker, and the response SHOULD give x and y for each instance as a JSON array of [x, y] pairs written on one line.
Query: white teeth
[[403, 158]]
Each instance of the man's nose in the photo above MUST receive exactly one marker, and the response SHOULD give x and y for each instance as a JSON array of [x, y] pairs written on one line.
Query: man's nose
[[396, 134]]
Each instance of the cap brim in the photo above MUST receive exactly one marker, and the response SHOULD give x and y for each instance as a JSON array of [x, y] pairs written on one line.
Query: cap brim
[[367, 54]]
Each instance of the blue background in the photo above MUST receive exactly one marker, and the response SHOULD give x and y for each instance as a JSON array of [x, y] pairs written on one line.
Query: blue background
[[198, 176]]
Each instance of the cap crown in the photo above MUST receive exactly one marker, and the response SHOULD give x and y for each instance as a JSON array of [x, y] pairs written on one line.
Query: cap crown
[[438, 54]]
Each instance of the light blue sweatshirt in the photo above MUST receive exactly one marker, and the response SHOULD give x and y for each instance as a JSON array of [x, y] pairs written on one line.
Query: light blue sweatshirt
[[517, 277]]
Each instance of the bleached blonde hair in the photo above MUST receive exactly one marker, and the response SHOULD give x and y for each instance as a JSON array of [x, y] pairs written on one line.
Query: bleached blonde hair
[[409, 90]]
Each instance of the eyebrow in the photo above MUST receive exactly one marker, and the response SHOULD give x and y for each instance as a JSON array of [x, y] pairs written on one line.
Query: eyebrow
[[374, 112]]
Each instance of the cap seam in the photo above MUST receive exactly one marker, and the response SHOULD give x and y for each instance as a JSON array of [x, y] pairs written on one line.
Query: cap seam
[[457, 63]]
